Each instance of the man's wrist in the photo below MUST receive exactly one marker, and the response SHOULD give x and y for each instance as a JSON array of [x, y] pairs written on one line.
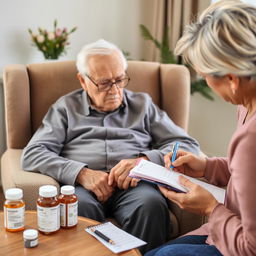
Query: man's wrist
[[143, 156], [81, 174]]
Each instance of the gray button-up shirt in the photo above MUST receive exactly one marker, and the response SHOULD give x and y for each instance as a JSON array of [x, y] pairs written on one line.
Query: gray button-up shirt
[[73, 135]]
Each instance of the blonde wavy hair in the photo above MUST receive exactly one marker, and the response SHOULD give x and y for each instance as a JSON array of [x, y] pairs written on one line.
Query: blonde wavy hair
[[222, 41]]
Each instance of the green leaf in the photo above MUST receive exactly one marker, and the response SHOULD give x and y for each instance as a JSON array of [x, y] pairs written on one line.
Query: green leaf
[[73, 30], [147, 36], [200, 86]]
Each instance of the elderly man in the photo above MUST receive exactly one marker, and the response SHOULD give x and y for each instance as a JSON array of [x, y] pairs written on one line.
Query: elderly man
[[93, 136]]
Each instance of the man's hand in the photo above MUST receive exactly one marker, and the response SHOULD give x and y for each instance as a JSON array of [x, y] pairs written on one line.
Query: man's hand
[[97, 182], [119, 173], [198, 200]]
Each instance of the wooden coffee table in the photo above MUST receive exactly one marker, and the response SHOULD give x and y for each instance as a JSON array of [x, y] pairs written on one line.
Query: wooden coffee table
[[69, 242]]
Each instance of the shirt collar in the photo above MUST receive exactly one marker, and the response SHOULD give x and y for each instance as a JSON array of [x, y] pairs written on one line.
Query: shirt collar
[[124, 103], [88, 105]]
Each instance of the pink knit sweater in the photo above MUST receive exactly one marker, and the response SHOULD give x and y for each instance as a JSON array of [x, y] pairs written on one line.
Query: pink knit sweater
[[232, 228]]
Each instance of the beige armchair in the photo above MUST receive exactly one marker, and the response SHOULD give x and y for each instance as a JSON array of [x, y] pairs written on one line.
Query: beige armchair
[[30, 90]]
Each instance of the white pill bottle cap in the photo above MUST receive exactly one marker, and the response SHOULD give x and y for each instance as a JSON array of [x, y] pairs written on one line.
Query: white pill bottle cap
[[48, 191], [13, 194], [67, 190]]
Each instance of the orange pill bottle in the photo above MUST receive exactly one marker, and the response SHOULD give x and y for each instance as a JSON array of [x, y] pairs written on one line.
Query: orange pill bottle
[[48, 210], [14, 210], [68, 207]]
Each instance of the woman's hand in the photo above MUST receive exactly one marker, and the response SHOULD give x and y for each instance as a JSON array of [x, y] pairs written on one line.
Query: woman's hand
[[187, 163], [198, 200]]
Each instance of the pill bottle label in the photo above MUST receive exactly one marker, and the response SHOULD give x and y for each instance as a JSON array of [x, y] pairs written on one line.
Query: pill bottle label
[[69, 210], [14, 217], [34, 243], [48, 218]]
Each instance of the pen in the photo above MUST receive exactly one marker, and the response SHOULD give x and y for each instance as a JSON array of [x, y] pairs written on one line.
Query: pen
[[174, 152], [101, 235]]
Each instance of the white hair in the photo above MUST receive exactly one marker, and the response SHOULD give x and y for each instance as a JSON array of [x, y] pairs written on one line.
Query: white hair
[[100, 47], [222, 41]]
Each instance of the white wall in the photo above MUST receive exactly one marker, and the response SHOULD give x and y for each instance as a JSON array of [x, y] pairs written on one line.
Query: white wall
[[115, 20], [212, 124]]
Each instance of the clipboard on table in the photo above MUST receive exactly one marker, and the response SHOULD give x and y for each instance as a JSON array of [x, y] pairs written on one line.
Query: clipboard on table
[[122, 241]]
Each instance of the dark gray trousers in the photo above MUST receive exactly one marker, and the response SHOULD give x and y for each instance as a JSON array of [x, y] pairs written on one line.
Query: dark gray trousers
[[141, 211]]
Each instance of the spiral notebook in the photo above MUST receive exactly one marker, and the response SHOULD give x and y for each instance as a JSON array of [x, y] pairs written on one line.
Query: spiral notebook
[[123, 240]]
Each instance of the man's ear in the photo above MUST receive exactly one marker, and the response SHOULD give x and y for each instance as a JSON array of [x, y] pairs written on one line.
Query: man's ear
[[82, 81], [233, 82]]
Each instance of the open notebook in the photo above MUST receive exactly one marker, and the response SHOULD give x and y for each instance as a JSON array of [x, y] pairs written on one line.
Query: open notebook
[[154, 173]]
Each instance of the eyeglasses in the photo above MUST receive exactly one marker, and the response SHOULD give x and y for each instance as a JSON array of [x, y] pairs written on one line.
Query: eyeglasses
[[106, 85]]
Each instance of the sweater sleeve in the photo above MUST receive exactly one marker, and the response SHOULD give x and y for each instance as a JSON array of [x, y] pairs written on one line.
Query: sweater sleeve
[[217, 171]]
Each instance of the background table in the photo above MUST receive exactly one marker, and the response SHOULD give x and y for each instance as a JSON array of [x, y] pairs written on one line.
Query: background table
[[74, 241]]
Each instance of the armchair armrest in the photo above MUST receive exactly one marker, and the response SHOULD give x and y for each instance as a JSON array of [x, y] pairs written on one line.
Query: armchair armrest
[[17, 106], [13, 176], [187, 221]]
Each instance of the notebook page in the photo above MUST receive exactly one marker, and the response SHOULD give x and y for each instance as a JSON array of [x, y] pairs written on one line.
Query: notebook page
[[147, 169], [123, 240], [217, 192]]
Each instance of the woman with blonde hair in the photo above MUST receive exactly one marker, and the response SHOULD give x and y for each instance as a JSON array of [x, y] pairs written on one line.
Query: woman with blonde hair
[[221, 47]]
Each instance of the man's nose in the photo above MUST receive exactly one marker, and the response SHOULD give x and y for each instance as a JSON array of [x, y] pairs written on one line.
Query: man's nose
[[114, 87]]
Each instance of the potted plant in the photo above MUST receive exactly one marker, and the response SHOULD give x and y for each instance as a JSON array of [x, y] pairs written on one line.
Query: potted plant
[[166, 56]]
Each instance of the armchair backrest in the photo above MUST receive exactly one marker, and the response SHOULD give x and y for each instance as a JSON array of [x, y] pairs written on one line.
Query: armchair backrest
[[30, 90]]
